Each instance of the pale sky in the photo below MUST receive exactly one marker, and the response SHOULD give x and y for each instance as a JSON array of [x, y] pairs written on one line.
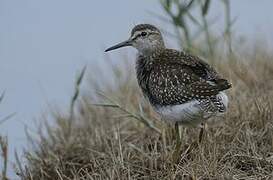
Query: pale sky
[[44, 43]]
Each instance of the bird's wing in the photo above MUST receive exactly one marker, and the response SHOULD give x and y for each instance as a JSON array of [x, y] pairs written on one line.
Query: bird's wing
[[198, 66], [181, 80]]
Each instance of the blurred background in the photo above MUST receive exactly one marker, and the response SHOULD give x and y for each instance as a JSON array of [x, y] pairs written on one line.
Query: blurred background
[[44, 44]]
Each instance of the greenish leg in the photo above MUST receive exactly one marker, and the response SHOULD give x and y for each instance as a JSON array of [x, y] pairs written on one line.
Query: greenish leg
[[176, 153], [201, 132], [178, 139]]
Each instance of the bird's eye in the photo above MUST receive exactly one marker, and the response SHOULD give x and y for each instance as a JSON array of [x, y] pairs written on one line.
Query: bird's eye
[[143, 34]]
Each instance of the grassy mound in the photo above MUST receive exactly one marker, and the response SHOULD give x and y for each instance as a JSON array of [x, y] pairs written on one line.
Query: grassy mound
[[112, 142]]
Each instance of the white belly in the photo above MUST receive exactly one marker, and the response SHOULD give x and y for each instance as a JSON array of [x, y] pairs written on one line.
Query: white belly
[[190, 113]]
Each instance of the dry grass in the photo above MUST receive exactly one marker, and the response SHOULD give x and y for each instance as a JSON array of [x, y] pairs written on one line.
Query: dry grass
[[4, 157], [107, 143], [3, 146]]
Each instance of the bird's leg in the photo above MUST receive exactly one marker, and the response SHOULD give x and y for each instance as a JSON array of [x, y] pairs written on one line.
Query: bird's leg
[[178, 139], [201, 133], [176, 153]]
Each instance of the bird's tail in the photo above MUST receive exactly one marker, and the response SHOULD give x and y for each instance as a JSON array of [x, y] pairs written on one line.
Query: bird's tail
[[223, 84]]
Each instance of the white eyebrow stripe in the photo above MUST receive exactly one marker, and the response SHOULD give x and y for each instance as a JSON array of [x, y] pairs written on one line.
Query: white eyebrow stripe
[[137, 33]]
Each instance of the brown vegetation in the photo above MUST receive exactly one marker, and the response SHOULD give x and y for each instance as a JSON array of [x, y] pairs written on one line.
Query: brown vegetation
[[110, 143]]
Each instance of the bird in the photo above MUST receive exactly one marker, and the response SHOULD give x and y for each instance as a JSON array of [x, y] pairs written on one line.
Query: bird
[[182, 88]]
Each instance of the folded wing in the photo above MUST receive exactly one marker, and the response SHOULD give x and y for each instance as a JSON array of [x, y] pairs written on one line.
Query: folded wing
[[176, 81]]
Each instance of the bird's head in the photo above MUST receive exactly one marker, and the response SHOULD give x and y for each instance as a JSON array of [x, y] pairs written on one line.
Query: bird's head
[[145, 38]]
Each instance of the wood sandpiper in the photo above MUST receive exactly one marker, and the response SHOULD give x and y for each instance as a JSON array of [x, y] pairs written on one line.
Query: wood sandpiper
[[181, 87]]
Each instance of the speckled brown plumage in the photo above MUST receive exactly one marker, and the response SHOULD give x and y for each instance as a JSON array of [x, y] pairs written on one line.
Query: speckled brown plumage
[[170, 77]]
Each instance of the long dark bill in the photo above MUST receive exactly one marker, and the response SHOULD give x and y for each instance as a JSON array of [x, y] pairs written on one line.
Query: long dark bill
[[119, 45]]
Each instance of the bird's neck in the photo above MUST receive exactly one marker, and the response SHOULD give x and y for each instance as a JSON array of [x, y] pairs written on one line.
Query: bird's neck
[[148, 49], [146, 53]]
